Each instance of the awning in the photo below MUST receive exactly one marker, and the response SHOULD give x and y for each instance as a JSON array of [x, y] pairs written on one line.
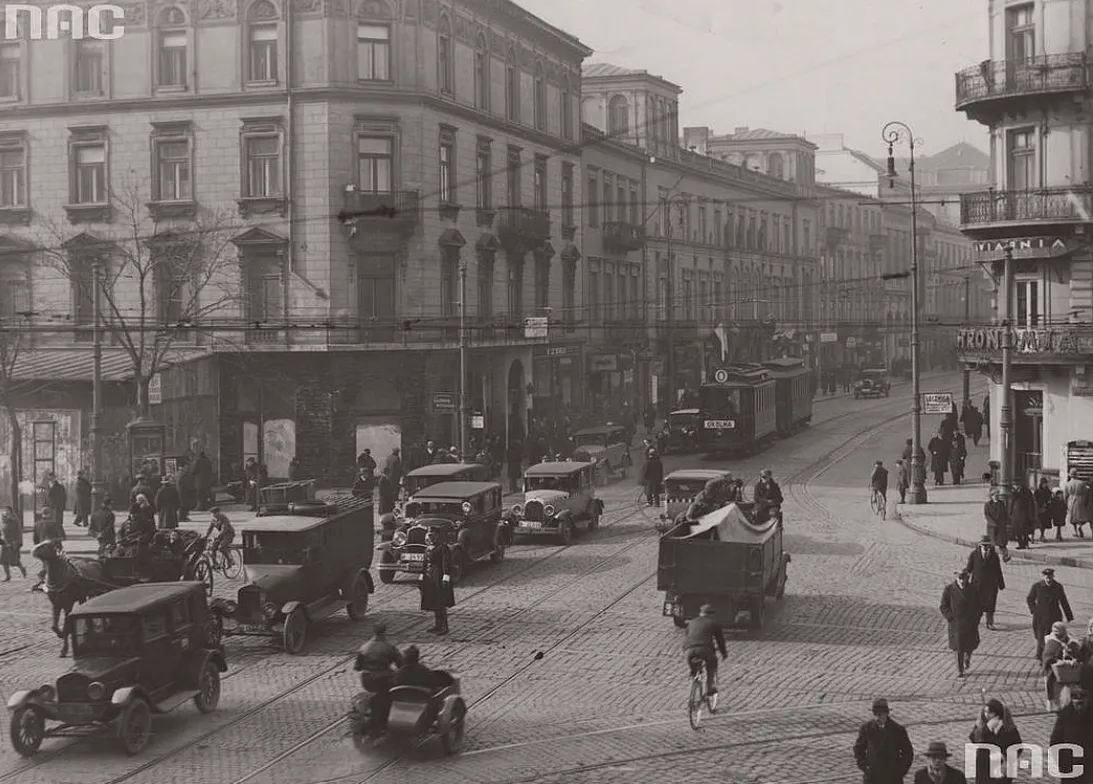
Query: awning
[[78, 364]]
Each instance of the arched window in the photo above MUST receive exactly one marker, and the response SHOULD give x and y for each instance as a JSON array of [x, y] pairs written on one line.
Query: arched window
[[482, 73], [618, 116], [444, 56], [776, 165], [262, 42], [512, 87], [171, 45], [750, 162], [540, 98], [567, 109]]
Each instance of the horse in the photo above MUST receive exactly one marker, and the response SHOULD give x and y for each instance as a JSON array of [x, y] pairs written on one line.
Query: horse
[[69, 581]]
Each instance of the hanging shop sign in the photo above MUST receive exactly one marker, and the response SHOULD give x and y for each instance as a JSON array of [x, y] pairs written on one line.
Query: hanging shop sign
[[1025, 340], [1023, 248]]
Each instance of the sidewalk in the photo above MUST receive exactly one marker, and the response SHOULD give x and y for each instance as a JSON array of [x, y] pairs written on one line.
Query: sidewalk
[[955, 515]]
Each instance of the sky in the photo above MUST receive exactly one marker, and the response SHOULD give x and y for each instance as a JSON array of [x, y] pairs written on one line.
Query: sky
[[800, 66]]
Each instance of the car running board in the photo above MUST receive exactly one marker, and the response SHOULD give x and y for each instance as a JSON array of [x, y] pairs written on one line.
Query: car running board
[[176, 699]]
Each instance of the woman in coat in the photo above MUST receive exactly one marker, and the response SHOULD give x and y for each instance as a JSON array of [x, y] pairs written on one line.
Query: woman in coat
[[11, 546], [961, 607], [985, 568], [994, 726], [1076, 493], [167, 504], [1043, 507], [437, 594], [652, 477], [82, 508], [1022, 514]]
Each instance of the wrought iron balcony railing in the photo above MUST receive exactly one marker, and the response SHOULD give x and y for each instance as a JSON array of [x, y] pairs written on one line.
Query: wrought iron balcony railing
[[622, 236], [1041, 205], [523, 227], [1001, 79], [381, 210]]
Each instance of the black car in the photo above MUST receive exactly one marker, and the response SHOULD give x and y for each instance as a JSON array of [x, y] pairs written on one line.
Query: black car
[[873, 382]]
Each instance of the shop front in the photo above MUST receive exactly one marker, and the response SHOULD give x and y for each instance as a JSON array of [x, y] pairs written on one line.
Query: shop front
[[559, 386]]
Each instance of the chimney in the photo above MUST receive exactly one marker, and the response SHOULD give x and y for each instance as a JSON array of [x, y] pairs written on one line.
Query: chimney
[[697, 139]]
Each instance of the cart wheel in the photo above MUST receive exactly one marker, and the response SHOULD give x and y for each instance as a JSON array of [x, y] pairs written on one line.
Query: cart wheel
[[135, 726], [452, 738], [295, 633], [387, 576], [358, 599], [208, 689], [27, 730], [203, 573]]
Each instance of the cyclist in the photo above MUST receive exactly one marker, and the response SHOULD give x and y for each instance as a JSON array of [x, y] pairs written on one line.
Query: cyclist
[[878, 482], [224, 532], [703, 633]]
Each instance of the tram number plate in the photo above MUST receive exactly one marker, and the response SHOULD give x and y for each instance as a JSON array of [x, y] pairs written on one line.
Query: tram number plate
[[719, 424], [531, 524], [669, 609], [413, 556], [76, 712]]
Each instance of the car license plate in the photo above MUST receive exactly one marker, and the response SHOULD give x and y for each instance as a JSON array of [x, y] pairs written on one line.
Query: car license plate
[[255, 628], [531, 524], [719, 424], [413, 556], [69, 712], [669, 609]]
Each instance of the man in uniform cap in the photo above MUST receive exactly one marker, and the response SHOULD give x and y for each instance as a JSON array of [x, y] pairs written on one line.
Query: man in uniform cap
[[883, 751], [962, 608], [1047, 603], [938, 770]]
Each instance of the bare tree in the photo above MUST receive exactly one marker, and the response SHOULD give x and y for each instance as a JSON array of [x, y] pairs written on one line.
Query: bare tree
[[162, 281], [11, 340]]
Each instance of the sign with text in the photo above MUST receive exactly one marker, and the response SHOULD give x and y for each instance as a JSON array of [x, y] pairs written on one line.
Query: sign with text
[[445, 403], [1026, 340], [1023, 248], [536, 327], [604, 363], [1027, 756], [829, 337], [100, 22], [937, 402]]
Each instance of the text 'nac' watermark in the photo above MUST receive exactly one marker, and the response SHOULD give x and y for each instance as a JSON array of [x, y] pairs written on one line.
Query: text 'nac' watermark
[[49, 23], [1030, 756]]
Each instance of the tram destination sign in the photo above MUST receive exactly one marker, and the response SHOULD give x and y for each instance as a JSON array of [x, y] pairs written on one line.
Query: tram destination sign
[[1026, 340]]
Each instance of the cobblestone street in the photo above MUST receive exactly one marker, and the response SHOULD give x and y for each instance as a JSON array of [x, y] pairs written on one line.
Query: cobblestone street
[[572, 676]]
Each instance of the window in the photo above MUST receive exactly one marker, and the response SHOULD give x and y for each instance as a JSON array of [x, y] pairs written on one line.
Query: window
[[776, 166], [567, 194], [263, 172], [264, 301], [82, 267], [569, 289], [635, 208], [14, 293], [482, 74], [540, 107], [762, 233], [485, 284], [512, 88], [806, 238], [608, 207], [620, 200], [172, 169], [482, 166], [447, 166], [373, 52], [718, 236], [635, 298], [624, 305], [787, 238], [172, 45], [566, 110], [513, 184], [13, 175], [1021, 165], [594, 310], [608, 291], [618, 116], [10, 71], [593, 201], [89, 175], [174, 292], [449, 283], [88, 67], [703, 236], [262, 43], [1020, 33], [541, 201], [1027, 302], [375, 164], [542, 281], [444, 56], [515, 287]]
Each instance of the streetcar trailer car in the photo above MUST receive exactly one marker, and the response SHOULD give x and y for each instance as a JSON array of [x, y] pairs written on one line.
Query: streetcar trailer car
[[137, 651], [557, 497], [738, 410], [724, 559], [792, 393], [300, 569]]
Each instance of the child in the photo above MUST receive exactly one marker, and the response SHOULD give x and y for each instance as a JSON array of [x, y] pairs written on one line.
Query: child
[[1057, 510]]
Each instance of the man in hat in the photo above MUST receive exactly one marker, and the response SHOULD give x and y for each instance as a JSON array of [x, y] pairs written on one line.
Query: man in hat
[[961, 607], [996, 514], [985, 568], [703, 633], [1047, 603], [938, 770], [376, 662], [883, 751]]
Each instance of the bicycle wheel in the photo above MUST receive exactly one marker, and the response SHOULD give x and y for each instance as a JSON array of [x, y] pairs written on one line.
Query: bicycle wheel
[[697, 698], [873, 502], [711, 701], [231, 564]]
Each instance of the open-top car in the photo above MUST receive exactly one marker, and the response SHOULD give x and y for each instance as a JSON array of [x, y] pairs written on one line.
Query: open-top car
[[464, 516], [140, 650], [607, 447], [300, 569], [872, 382], [681, 431], [558, 497], [680, 489]]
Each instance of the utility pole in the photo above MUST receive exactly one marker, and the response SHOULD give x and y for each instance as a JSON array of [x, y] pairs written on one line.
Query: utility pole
[[966, 390], [669, 311], [1005, 420], [463, 421], [98, 486]]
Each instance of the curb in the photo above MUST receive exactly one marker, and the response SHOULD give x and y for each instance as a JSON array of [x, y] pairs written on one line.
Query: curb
[[1017, 555]]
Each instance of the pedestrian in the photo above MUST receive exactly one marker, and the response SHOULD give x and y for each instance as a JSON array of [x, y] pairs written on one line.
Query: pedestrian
[[58, 500], [366, 463], [652, 477], [141, 524], [903, 479], [997, 516], [883, 751], [203, 481], [962, 608], [939, 456], [432, 454], [82, 508], [1057, 511], [958, 457], [437, 594], [650, 419], [363, 484], [994, 727], [187, 493], [1057, 646], [973, 424], [1047, 604], [1076, 493], [393, 464], [1042, 497], [767, 495], [985, 568], [103, 525], [295, 470], [11, 542], [385, 492], [514, 462], [250, 484], [1074, 725], [167, 504], [938, 770], [1022, 514]]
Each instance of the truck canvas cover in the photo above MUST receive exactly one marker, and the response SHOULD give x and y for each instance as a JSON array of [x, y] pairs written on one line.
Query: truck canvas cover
[[732, 525]]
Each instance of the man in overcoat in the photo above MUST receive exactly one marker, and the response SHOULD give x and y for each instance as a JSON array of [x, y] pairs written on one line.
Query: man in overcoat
[[1075, 493], [1023, 517], [203, 481], [996, 514], [939, 448], [652, 477], [985, 568], [1047, 603], [82, 507], [961, 607], [938, 770], [883, 751], [167, 504], [58, 500], [437, 594], [959, 455]]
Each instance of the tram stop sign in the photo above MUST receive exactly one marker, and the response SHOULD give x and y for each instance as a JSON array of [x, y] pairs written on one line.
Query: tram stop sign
[[721, 375]]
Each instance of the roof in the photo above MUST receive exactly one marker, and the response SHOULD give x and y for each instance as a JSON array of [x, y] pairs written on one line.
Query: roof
[[684, 411], [755, 134], [445, 469], [556, 468], [733, 526], [443, 490], [698, 473], [135, 598], [600, 429], [959, 156], [78, 364], [283, 523], [609, 71]]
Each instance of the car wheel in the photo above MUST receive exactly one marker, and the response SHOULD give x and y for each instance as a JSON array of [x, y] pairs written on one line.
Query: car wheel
[[681, 623], [357, 607], [135, 726], [203, 573], [208, 689], [565, 533], [387, 576], [452, 737], [27, 730], [295, 632]]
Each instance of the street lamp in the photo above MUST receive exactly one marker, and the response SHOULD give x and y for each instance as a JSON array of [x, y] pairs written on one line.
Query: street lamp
[[893, 133]]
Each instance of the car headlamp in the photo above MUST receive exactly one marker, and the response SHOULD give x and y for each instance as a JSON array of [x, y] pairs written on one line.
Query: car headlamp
[[517, 509], [96, 691], [399, 539], [549, 510], [47, 693], [269, 609], [466, 507]]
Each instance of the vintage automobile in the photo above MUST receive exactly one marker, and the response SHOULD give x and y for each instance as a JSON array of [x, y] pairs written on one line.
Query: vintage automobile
[[420, 478], [873, 382], [681, 431], [605, 446], [276, 499], [466, 516], [416, 713], [728, 559], [557, 498], [301, 568], [680, 489], [138, 651]]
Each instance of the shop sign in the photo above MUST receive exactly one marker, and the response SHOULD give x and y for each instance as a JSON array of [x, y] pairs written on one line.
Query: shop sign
[[829, 337], [478, 422], [536, 327], [155, 390], [445, 403], [1026, 340], [560, 351], [851, 342], [605, 363], [1023, 247]]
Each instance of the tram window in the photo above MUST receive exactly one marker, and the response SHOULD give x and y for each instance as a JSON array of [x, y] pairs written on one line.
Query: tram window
[[718, 400]]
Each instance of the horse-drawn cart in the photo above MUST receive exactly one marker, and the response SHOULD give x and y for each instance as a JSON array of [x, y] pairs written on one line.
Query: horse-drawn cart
[[172, 555]]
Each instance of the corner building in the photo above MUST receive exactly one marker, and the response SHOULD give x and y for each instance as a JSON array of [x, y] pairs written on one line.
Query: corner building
[[1033, 93], [367, 150]]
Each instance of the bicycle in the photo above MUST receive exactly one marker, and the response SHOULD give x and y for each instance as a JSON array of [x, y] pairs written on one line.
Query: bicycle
[[225, 560], [699, 698], [878, 502]]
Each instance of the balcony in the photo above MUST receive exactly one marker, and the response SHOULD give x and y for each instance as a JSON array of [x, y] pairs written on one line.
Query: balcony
[[1042, 207], [622, 237], [521, 229], [367, 213], [986, 89]]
